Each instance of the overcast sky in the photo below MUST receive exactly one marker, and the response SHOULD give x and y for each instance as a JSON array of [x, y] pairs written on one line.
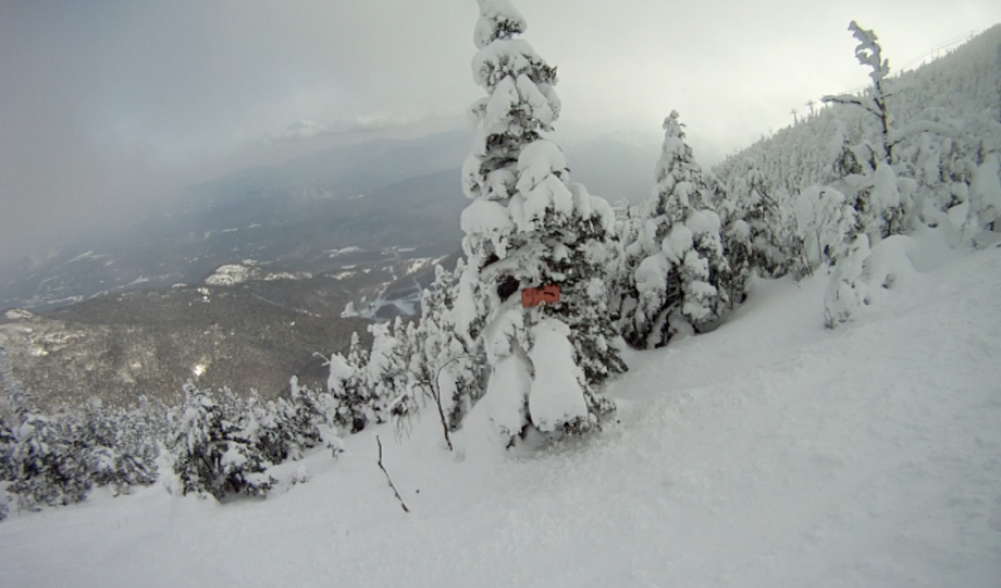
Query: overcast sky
[[106, 105]]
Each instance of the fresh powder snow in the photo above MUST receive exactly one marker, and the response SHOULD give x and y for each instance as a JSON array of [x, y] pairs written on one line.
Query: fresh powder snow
[[770, 452]]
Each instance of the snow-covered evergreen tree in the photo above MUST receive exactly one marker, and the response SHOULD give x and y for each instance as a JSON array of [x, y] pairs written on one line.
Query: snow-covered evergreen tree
[[7, 440], [387, 370], [529, 227], [47, 466], [121, 449], [6, 463], [349, 387], [447, 365], [267, 427], [756, 232], [621, 288], [681, 277], [42, 458], [216, 447], [520, 104], [305, 414]]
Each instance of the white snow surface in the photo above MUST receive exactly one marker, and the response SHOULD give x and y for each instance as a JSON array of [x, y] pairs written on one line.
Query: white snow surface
[[769, 453], [340, 372], [486, 216], [986, 188], [556, 397], [507, 394], [885, 193]]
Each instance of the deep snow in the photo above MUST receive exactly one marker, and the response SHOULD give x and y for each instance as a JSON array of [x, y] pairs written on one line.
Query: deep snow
[[771, 452]]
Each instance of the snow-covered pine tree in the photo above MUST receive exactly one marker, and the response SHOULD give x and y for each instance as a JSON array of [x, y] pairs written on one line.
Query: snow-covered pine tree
[[621, 289], [446, 365], [737, 238], [519, 106], [305, 415], [755, 232], [268, 427], [6, 449], [405, 401], [48, 466], [350, 388], [11, 387], [350, 400], [529, 227], [41, 457], [155, 420], [6, 463], [215, 447], [121, 449], [386, 373], [680, 274]]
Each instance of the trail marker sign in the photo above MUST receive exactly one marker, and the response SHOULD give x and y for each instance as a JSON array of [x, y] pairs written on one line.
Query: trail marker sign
[[544, 295]]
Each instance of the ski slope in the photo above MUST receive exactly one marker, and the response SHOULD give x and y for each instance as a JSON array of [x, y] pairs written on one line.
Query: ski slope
[[770, 453]]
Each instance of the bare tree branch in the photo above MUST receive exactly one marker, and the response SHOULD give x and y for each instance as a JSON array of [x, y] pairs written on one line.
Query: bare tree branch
[[388, 479]]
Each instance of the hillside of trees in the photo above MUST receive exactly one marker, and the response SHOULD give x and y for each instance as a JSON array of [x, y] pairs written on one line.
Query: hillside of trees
[[554, 286]]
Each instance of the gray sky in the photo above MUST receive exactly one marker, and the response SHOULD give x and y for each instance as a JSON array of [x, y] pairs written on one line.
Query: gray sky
[[106, 105]]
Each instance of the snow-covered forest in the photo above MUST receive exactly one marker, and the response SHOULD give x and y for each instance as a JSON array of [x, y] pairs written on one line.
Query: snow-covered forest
[[778, 371]]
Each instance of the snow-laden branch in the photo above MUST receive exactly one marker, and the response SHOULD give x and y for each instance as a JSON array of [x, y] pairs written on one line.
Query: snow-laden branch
[[922, 126], [865, 102]]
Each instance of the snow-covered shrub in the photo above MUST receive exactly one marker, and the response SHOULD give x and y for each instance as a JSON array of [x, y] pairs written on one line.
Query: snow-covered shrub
[[216, 449], [864, 275], [348, 386], [121, 449], [46, 466], [985, 192], [301, 475], [267, 427], [6, 449], [847, 289], [6, 463], [826, 224], [887, 267], [55, 459], [305, 414], [399, 401]]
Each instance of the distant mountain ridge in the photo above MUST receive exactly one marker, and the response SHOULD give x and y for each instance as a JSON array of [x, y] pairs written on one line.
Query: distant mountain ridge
[[377, 196]]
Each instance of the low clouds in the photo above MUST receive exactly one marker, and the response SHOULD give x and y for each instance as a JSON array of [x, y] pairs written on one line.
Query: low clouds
[[311, 129], [108, 106]]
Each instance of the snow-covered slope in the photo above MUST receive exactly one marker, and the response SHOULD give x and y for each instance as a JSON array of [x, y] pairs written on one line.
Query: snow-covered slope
[[771, 452]]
